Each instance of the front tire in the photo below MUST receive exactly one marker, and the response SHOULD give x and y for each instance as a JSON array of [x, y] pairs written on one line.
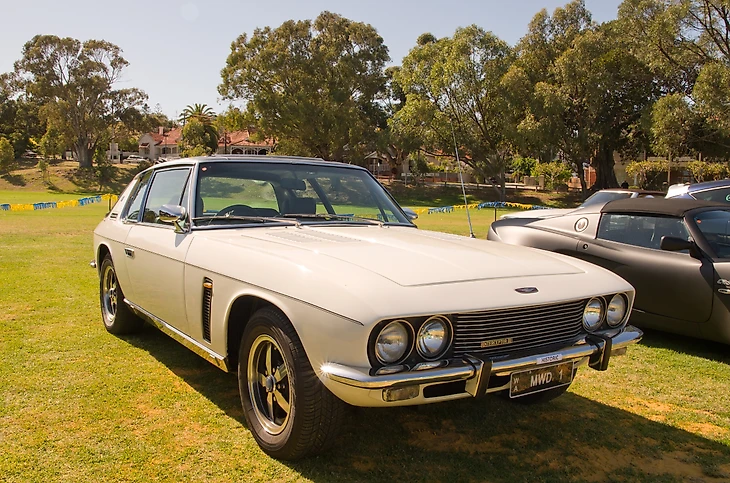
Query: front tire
[[118, 318], [288, 410]]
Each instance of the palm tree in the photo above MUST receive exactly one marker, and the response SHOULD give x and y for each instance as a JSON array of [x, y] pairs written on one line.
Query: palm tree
[[206, 116], [201, 112]]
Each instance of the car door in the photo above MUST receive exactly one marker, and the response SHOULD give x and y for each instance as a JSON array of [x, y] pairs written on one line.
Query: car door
[[155, 253], [668, 284]]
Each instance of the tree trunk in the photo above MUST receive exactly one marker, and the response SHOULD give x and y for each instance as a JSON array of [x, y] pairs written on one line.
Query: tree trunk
[[83, 154], [605, 174]]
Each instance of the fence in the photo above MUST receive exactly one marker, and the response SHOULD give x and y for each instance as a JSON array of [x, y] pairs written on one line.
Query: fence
[[46, 205]]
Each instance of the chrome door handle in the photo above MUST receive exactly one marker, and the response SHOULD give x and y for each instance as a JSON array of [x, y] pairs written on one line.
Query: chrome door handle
[[129, 252], [724, 291]]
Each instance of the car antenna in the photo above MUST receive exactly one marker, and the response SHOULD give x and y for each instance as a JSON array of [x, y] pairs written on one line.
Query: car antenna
[[461, 180]]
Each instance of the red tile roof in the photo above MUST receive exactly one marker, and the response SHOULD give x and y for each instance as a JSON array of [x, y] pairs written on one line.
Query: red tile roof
[[242, 138], [169, 138]]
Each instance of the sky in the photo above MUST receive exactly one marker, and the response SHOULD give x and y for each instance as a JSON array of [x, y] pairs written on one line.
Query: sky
[[176, 49]]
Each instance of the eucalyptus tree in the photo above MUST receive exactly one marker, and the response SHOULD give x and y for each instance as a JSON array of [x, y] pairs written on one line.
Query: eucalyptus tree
[[589, 93], [79, 80], [313, 86], [454, 92]]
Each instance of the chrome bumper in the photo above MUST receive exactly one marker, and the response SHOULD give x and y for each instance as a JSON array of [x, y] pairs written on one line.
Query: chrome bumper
[[595, 350]]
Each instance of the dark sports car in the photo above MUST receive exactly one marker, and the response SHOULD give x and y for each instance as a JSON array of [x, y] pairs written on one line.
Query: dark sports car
[[675, 252]]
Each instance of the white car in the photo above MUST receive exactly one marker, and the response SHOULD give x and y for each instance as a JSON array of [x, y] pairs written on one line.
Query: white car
[[133, 158], [307, 279], [597, 198]]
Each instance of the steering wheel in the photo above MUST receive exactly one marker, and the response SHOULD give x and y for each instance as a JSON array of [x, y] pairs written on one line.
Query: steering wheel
[[236, 210]]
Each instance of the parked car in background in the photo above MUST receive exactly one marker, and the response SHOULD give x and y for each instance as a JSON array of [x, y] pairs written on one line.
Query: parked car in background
[[309, 281], [675, 252], [598, 198], [708, 191], [133, 158]]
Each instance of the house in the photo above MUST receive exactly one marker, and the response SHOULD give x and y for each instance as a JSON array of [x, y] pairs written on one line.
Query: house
[[240, 142], [165, 144], [161, 144]]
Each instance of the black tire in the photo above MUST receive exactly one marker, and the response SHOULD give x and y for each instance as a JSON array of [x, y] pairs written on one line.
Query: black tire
[[270, 344], [117, 317]]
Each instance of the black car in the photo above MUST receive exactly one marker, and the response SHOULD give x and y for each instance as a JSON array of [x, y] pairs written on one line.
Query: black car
[[675, 252]]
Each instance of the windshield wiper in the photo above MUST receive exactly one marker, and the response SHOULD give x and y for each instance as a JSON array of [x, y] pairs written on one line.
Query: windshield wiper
[[260, 219], [330, 216]]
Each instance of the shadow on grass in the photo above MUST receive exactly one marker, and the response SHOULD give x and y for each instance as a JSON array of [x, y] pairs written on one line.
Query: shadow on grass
[[14, 179], [570, 439], [697, 347]]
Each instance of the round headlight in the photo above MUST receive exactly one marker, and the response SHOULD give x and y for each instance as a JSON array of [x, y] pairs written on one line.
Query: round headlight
[[392, 342], [616, 310], [433, 338], [593, 314]]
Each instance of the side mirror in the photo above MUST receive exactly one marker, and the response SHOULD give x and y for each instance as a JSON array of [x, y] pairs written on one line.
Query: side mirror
[[674, 244], [174, 214], [412, 215]]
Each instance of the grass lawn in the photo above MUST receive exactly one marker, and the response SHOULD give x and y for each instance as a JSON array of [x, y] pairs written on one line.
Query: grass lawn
[[80, 405]]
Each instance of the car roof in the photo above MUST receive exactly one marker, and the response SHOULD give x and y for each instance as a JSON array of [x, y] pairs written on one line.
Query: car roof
[[251, 158], [708, 185], [659, 206]]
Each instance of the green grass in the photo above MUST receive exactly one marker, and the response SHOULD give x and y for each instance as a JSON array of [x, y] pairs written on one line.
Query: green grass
[[78, 404]]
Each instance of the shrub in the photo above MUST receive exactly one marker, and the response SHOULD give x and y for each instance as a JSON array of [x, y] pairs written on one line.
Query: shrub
[[7, 155], [649, 174], [704, 171], [555, 173]]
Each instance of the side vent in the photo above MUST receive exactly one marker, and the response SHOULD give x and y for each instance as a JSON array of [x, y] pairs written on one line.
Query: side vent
[[207, 303]]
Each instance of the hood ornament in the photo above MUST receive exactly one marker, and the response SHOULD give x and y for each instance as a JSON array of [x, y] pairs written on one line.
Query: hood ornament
[[527, 290]]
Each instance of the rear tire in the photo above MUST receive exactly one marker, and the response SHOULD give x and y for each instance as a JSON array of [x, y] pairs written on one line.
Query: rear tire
[[290, 413], [117, 317]]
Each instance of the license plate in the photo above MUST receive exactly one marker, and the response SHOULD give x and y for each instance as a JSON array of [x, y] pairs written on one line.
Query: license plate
[[540, 379]]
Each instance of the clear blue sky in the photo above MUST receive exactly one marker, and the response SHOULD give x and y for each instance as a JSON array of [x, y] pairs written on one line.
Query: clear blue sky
[[176, 49]]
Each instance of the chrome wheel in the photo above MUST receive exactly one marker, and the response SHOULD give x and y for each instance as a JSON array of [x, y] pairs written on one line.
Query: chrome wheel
[[109, 293], [268, 384]]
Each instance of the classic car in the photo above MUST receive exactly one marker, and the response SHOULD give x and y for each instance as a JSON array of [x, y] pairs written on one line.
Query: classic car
[[598, 198], [307, 279], [708, 191], [675, 252]]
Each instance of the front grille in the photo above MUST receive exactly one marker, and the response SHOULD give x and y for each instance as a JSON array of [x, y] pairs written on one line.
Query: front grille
[[528, 327]]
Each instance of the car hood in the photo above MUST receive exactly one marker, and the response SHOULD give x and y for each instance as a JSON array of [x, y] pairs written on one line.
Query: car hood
[[405, 256]]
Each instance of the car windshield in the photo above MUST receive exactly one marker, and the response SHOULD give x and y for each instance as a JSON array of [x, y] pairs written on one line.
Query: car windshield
[[601, 197], [715, 226], [262, 192]]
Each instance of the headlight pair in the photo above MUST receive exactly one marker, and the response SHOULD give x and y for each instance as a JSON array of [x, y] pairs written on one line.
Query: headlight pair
[[596, 312], [395, 341]]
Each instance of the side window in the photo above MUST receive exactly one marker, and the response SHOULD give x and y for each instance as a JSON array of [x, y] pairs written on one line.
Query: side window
[[640, 230], [722, 195], [167, 189], [135, 200]]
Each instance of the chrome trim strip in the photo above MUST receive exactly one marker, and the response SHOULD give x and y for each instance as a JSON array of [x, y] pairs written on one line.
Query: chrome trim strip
[[207, 354], [468, 368]]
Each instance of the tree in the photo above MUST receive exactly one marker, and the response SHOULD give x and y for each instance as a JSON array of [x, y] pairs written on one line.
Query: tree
[[7, 155], [454, 90], [590, 93], [78, 80], [312, 85], [196, 138], [203, 132]]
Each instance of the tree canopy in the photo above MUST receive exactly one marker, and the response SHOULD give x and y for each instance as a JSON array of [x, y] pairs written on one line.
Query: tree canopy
[[312, 85], [77, 82]]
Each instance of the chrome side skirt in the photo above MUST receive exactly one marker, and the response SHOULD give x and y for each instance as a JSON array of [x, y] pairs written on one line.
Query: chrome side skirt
[[207, 354]]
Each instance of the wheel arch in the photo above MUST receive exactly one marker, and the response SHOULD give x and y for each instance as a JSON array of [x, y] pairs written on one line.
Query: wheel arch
[[102, 252], [239, 313]]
